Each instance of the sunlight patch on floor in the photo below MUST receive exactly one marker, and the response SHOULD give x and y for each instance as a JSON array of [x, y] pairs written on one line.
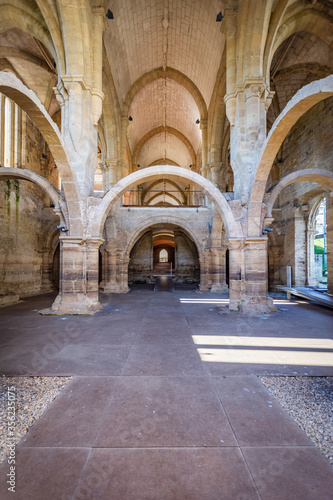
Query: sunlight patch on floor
[[283, 342], [263, 357]]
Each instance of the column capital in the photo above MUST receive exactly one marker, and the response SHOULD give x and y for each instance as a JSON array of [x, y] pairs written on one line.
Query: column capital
[[94, 242], [69, 240]]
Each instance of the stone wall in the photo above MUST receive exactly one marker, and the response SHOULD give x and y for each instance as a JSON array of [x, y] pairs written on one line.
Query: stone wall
[[308, 145], [27, 220]]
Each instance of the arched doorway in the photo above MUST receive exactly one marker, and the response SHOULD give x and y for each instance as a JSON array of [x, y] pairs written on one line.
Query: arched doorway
[[164, 250]]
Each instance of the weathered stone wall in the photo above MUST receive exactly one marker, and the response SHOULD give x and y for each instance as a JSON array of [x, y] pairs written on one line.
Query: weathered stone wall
[[123, 231], [140, 267], [187, 264], [26, 219], [25, 223], [308, 145]]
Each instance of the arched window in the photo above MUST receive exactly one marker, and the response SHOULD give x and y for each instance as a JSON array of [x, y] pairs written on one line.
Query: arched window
[[10, 133], [163, 256], [320, 243]]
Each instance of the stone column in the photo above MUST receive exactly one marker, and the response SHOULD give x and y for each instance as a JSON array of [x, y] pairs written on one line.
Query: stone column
[[204, 142], [18, 138], [12, 133], [2, 130], [78, 287], [124, 125], [99, 24], [204, 275], [255, 292], [111, 173], [236, 277], [92, 271], [329, 221], [214, 172], [123, 277], [310, 275], [46, 269], [299, 248], [218, 271], [110, 284]]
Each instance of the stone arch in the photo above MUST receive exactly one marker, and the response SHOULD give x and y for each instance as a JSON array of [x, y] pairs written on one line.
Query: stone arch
[[301, 102], [310, 20], [28, 175], [6, 52], [233, 228], [301, 68], [111, 115], [164, 161], [54, 29], [158, 130], [169, 182], [163, 219], [217, 126], [13, 88], [320, 176], [22, 17], [168, 195], [173, 74]]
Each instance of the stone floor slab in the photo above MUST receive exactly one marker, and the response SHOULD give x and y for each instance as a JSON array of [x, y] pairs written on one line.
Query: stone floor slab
[[290, 473], [74, 419], [178, 474], [44, 473], [165, 411], [256, 417], [107, 360], [162, 359]]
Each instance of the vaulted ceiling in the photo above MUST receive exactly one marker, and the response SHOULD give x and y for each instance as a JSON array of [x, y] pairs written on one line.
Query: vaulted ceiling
[[182, 35]]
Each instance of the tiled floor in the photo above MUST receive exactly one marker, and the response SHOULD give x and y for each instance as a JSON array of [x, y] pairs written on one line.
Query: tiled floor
[[165, 402]]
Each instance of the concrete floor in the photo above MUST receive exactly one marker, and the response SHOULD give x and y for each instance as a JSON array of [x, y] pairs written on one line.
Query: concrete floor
[[165, 402]]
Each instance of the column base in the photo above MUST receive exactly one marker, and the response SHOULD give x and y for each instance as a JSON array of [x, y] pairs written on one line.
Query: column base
[[219, 289], [258, 305], [73, 304], [115, 289]]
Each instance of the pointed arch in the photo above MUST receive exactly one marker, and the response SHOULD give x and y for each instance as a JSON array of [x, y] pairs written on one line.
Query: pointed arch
[[173, 74], [233, 228], [27, 100], [318, 175], [302, 101]]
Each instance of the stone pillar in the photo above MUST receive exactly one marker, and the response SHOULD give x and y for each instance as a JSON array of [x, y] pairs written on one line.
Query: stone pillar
[[46, 269], [204, 142], [256, 298], [124, 125], [310, 275], [2, 130], [118, 170], [236, 277], [110, 177], [218, 271], [248, 273], [18, 138], [78, 287], [214, 172], [299, 249], [329, 222], [12, 133], [123, 276], [110, 284], [92, 271], [204, 275], [99, 25]]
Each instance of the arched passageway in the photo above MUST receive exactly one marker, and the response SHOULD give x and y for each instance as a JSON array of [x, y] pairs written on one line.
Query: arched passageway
[[164, 250]]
